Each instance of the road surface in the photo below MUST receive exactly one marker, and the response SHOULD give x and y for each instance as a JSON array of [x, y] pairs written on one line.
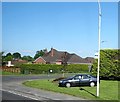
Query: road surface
[[12, 87], [11, 96]]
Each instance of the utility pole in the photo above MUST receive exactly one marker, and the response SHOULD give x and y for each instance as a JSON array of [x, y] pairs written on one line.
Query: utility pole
[[99, 31]]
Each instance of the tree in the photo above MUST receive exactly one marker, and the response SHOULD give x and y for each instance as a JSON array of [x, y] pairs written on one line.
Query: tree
[[64, 62], [27, 58], [8, 58], [39, 53], [9, 54], [1, 55], [109, 63], [16, 55]]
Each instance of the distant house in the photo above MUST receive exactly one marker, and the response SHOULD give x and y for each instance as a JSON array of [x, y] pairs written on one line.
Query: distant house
[[62, 57], [18, 61], [9, 64], [15, 62]]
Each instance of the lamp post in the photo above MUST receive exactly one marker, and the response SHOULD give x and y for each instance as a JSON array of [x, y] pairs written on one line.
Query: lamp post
[[99, 31]]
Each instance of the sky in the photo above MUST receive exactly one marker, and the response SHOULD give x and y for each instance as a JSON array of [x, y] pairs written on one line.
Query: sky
[[28, 27]]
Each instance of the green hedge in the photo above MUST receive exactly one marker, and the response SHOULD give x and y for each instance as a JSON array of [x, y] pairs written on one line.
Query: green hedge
[[44, 68], [109, 63]]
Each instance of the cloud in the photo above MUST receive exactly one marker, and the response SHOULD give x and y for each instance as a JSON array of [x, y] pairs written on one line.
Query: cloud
[[27, 51]]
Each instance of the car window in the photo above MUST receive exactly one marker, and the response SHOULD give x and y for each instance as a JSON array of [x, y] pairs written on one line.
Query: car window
[[76, 77], [85, 77], [80, 77]]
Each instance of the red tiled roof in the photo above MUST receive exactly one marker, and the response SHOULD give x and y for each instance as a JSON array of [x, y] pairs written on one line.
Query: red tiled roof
[[64, 57]]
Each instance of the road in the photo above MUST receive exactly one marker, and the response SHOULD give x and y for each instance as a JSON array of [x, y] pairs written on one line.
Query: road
[[11, 96], [8, 96], [12, 87]]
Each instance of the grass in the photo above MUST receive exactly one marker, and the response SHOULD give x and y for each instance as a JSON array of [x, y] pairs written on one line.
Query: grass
[[53, 74], [108, 89], [8, 73]]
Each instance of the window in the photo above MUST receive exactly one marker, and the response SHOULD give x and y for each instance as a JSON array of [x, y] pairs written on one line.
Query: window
[[77, 77], [84, 77]]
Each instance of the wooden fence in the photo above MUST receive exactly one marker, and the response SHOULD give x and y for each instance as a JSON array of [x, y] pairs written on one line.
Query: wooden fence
[[10, 69]]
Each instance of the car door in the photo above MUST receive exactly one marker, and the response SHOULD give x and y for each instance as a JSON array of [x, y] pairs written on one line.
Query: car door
[[76, 81], [84, 80]]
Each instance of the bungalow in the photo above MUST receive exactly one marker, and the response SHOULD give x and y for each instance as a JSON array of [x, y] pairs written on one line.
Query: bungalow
[[62, 57]]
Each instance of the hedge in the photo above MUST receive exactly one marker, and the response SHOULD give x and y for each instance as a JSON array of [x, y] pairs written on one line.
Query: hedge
[[109, 64], [44, 68]]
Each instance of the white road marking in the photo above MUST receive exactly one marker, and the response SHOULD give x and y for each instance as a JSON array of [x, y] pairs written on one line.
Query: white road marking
[[19, 94]]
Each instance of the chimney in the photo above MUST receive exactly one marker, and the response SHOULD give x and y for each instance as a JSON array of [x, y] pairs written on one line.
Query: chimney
[[52, 52]]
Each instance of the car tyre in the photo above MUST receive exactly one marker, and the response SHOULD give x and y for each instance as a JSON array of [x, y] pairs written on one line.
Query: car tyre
[[68, 85], [92, 84]]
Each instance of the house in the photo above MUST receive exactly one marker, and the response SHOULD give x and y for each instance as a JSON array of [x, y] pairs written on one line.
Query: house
[[62, 57], [18, 61], [9, 64]]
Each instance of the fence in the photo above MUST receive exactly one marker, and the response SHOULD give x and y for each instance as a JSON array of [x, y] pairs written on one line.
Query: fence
[[10, 69]]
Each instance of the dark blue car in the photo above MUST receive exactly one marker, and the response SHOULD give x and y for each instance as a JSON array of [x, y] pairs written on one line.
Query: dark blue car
[[79, 80]]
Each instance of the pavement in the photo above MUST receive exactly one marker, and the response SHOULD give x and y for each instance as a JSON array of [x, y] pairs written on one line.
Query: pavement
[[17, 88]]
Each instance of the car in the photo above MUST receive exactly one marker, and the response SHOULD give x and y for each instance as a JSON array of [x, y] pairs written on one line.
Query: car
[[79, 80]]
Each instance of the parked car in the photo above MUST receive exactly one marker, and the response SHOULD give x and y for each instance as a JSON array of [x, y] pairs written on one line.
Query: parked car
[[79, 80]]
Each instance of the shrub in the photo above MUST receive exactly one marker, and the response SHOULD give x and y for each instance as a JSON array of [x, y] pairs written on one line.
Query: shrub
[[44, 68], [109, 63]]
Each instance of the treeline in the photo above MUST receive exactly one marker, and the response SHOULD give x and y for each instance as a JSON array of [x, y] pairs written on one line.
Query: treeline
[[45, 68], [109, 64], [9, 57], [16, 56]]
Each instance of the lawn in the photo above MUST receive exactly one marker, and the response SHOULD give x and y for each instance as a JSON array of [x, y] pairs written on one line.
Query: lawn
[[108, 89], [8, 73]]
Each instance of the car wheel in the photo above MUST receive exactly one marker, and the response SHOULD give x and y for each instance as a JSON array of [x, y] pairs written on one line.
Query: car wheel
[[68, 85], [92, 84]]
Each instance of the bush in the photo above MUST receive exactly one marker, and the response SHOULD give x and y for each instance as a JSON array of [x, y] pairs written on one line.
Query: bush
[[109, 64], [44, 68]]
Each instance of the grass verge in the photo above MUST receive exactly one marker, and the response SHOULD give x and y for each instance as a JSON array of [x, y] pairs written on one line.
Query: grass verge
[[8, 73], [108, 89]]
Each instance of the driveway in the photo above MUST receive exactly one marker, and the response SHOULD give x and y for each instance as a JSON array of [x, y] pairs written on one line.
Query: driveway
[[13, 84]]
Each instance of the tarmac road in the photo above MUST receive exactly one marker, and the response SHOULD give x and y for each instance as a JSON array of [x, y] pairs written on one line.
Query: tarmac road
[[12, 85], [11, 96]]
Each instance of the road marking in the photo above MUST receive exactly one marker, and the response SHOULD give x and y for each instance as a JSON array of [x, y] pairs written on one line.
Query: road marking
[[19, 94]]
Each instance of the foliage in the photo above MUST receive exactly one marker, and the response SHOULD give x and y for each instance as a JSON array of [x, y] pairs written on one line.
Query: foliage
[[27, 58], [109, 63], [1, 54], [74, 68], [9, 73], [16, 55], [8, 58], [39, 53], [44, 68], [9, 54]]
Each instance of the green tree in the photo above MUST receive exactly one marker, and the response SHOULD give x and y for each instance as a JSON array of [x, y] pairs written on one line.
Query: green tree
[[27, 58], [2, 57], [16, 55], [109, 63], [8, 58], [1, 54], [9, 54], [39, 53]]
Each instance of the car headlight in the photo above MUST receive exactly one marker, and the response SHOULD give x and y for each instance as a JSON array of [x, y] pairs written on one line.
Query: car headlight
[[61, 81]]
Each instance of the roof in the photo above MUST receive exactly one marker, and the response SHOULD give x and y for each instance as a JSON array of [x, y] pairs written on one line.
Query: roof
[[53, 56], [56, 56]]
